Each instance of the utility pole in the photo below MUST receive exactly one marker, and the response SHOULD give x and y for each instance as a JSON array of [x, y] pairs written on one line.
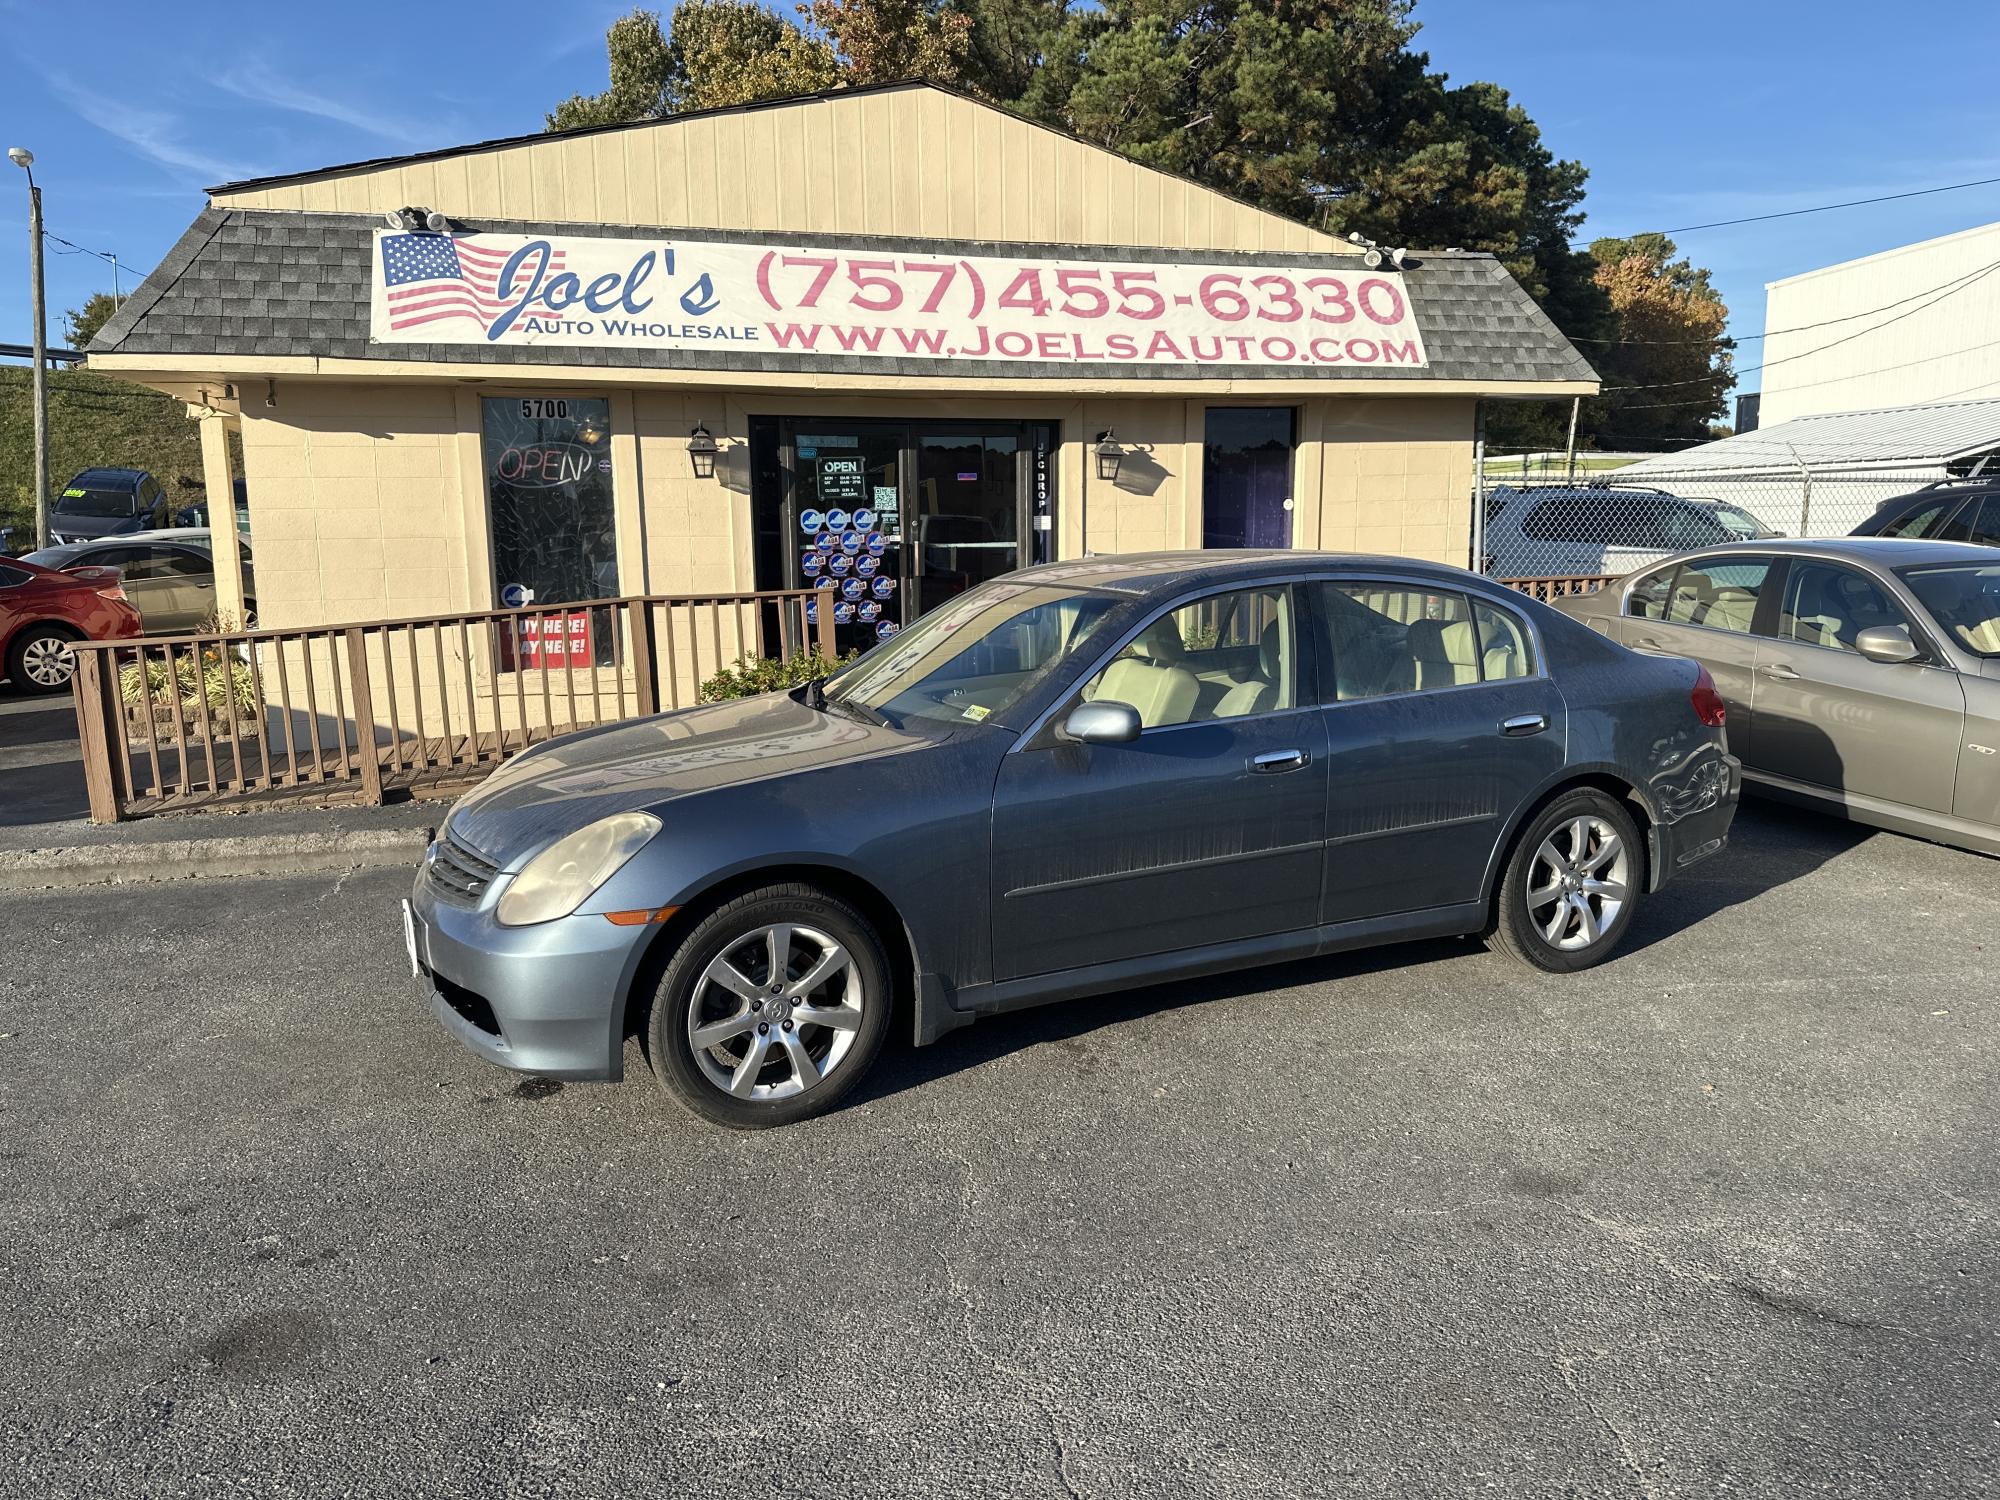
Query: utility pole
[[25, 160]]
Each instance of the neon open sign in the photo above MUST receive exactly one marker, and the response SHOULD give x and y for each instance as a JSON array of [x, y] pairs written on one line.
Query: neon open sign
[[544, 465]]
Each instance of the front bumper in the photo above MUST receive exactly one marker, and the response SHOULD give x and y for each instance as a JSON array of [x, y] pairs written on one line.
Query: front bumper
[[547, 999]]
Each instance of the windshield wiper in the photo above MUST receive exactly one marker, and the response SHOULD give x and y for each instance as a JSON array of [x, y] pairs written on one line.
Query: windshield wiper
[[816, 692]]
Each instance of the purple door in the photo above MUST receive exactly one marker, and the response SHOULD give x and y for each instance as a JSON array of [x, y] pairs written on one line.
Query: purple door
[[1246, 487]]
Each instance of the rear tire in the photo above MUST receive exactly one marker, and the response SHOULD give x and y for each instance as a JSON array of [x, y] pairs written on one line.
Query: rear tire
[[1571, 885], [772, 1009], [40, 660]]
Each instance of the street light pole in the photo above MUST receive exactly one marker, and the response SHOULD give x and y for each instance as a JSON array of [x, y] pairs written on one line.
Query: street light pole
[[25, 160]]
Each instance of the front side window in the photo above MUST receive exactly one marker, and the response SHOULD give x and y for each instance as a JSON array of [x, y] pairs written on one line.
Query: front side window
[[1388, 638], [1717, 595], [1829, 606], [1964, 598], [974, 656], [1223, 657]]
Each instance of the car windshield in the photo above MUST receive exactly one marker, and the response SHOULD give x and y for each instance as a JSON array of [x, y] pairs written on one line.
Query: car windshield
[[1738, 523], [1964, 598], [973, 657], [88, 500]]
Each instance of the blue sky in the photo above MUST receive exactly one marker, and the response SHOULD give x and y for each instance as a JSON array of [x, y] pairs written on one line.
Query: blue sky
[[1683, 114]]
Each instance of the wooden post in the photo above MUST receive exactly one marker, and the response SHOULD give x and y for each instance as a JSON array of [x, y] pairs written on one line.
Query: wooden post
[[639, 619], [823, 635], [364, 714], [94, 701]]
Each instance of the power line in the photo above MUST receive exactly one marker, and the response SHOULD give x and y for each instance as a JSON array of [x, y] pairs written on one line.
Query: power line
[[1951, 291], [1771, 333], [1793, 213]]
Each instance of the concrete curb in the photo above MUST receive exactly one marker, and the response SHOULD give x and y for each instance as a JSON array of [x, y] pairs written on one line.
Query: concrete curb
[[200, 859]]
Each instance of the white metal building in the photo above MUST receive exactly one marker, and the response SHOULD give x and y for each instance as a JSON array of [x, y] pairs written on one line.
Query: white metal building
[[1919, 324]]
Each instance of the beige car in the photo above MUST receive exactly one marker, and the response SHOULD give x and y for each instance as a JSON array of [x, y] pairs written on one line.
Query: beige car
[[168, 575], [1862, 674]]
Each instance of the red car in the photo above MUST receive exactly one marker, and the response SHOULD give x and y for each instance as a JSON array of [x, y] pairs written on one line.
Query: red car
[[42, 611]]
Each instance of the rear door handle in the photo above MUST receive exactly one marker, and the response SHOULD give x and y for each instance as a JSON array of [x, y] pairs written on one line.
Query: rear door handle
[[1779, 672], [1522, 724], [1273, 761]]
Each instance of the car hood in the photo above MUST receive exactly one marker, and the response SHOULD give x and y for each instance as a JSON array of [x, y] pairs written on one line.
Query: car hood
[[75, 528], [568, 783]]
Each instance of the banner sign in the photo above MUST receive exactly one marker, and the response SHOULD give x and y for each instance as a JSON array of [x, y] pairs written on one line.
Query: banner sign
[[554, 641], [775, 299]]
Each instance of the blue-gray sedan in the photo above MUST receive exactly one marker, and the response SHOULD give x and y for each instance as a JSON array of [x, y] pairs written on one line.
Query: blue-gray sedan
[[1076, 778]]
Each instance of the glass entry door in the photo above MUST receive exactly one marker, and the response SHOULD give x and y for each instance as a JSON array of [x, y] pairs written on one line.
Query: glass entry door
[[888, 519]]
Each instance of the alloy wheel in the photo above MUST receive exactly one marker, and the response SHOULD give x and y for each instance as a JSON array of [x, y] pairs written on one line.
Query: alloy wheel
[[1578, 882], [48, 661], [776, 1012]]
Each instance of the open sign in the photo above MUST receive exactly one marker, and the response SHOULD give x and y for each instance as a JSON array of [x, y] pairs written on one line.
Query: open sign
[[543, 466]]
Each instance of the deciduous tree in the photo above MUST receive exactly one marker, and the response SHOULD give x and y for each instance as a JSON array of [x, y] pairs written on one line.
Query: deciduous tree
[[1671, 354]]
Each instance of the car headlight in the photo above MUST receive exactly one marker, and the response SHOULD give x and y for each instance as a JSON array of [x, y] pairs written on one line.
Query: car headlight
[[563, 876]]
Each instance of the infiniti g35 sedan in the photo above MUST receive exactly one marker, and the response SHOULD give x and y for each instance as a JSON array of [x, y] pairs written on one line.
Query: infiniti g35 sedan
[[1076, 778], [1862, 674]]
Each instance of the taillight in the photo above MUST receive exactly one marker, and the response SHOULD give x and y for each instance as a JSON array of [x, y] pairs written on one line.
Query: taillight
[[1708, 705]]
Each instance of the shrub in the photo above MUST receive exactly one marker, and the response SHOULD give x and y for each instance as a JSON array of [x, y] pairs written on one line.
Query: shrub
[[752, 675], [221, 686]]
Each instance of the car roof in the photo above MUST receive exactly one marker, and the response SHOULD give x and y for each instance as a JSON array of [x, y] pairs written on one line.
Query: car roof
[[196, 535], [1882, 551], [119, 476], [1143, 574]]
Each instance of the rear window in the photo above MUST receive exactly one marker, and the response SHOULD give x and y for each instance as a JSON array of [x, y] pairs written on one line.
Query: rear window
[[12, 578]]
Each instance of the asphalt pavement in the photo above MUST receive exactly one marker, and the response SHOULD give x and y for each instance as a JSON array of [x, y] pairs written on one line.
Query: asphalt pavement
[[1718, 1217], [41, 763]]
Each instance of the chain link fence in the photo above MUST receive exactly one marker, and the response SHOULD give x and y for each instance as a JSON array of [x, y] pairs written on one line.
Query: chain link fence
[[1606, 522]]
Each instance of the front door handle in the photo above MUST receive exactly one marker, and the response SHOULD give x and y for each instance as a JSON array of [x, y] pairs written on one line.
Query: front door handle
[[1522, 724], [1777, 671], [1273, 761]]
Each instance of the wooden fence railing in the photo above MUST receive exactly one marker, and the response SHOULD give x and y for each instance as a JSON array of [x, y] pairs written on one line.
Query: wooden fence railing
[[1556, 588], [359, 712]]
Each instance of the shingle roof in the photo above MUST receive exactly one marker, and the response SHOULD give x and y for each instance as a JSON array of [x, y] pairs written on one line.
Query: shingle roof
[[275, 282], [1937, 433]]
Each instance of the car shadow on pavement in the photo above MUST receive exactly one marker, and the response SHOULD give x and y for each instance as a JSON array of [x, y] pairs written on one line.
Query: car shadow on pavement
[[993, 1037], [1770, 845]]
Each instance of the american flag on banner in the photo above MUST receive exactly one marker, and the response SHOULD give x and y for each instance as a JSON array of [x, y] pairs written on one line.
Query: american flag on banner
[[431, 277]]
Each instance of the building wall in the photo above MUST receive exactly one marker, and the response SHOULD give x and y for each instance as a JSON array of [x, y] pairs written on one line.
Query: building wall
[[1941, 347], [876, 162], [368, 501]]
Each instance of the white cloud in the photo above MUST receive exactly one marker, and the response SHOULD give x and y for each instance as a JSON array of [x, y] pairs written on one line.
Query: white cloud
[[157, 136], [259, 83]]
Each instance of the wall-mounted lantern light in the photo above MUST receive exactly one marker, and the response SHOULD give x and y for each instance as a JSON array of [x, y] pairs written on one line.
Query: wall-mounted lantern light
[[701, 452], [1109, 455]]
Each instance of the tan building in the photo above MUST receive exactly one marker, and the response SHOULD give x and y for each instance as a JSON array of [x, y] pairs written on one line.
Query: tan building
[[907, 321]]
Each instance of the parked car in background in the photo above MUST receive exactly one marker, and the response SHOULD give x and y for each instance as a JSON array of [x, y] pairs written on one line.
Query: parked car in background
[[197, 514], [107, 502], [42, 611], [1587, 530], [1952, 510], [1080, 777], [1862, 674], [168, 575]]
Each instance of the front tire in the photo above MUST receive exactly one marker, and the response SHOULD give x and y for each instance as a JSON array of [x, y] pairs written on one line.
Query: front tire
[[772, 1008], [1571, 884], [41, 660]]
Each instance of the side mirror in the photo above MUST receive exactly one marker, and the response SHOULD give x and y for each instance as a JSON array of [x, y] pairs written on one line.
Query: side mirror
[[1102, 723], [1887, 643]]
